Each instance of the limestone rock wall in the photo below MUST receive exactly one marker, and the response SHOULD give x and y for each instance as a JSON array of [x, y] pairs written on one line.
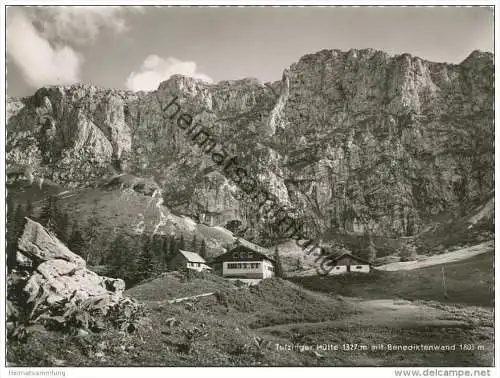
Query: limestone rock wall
[[352, 140]]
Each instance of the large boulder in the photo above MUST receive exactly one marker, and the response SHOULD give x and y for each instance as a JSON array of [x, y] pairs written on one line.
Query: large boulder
[[56, 279], [39, 245]]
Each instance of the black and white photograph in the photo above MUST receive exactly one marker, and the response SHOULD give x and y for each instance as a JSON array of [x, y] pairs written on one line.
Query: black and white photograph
[[249, 186]]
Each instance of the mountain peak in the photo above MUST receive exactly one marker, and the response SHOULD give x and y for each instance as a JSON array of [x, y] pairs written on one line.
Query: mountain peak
[[478, 55]]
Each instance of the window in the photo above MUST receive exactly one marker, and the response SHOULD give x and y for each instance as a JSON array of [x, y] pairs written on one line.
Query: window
[[359, 267], [337, 267], [244, 266]]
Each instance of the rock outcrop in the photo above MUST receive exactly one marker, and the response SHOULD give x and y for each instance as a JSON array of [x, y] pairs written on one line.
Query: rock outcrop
[[350, 140], [50, 281]]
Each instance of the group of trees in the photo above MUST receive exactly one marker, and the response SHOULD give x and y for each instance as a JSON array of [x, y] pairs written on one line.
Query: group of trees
[[362, 246], [16, 219], [51, 216], [136, 258], [130, 257], [56, 219]]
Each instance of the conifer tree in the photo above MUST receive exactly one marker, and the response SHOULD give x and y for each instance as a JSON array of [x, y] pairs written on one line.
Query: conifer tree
[[166, 250], [299, 264], [119, 264], [62, 226], [146, 242], [53, 218], [76, 242], [181, 243], [15, 227], [203, 249], [91, 235], [48, 215], [29, 207], [145, 264], [371, 253], [172, 247], [278, 269], [19, 220], [11, 211], [161, 256], [194, 244], [157, 247]]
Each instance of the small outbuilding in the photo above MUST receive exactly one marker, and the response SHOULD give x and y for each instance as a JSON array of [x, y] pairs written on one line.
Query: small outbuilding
[[348, 263], [188, 260]]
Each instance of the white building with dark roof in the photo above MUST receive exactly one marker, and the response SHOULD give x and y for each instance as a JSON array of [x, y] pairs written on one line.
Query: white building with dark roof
[[347, 263], [188, 260], [246, 261]]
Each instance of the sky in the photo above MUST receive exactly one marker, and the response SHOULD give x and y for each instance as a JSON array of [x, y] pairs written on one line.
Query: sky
[[136, 48]]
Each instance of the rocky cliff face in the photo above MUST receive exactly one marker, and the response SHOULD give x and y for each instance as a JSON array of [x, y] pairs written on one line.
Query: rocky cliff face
[[351, 140]]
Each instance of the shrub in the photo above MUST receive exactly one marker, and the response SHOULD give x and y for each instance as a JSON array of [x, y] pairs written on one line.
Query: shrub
[[93, 314], [408, 251]]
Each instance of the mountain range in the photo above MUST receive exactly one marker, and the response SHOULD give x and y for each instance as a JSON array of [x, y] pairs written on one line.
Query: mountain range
[[353, 142]]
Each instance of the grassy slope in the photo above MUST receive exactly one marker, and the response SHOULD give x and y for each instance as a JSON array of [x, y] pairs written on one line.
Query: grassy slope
[[441, 259], [123, 211], [21, 192], [178, 285], [228, 323], [454, 231], [467, 282], [277, 311]]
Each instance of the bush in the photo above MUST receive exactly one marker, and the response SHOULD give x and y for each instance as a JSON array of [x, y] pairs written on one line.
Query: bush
[[93, 314], [408, 251]]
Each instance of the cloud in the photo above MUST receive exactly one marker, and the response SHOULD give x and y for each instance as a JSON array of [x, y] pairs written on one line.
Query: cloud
[[42, 41], [155, 69], [40, 62], [79, 25]]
